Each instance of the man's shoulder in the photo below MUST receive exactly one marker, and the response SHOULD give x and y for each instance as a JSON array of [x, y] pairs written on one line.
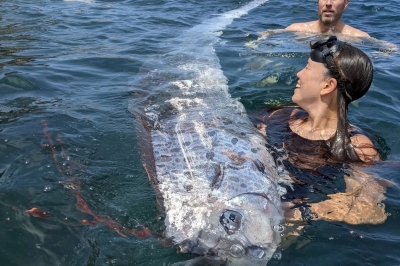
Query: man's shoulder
[[302, 26], [349, 30], [313, 27]]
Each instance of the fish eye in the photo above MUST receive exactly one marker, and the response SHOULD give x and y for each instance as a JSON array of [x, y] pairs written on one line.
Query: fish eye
[[231, 221], [237, 250]]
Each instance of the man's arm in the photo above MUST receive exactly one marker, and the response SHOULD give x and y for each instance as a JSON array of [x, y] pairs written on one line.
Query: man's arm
[[303, 26], [295, 27]]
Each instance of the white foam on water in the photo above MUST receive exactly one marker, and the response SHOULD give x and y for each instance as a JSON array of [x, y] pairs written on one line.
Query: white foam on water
[[199, 41]]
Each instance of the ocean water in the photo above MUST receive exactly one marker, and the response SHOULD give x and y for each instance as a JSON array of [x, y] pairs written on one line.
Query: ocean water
[[70, 71]]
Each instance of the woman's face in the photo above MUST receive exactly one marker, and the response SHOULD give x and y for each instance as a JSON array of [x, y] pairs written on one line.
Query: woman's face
[[311, 80]]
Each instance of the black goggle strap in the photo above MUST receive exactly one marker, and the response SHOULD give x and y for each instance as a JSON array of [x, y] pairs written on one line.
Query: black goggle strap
[[343, 90], [323, 51], [331, 64]]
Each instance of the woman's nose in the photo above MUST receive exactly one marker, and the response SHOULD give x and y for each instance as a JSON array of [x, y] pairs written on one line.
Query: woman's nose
[[298, 74]]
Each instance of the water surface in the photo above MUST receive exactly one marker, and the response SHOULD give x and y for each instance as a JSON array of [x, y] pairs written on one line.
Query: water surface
[[75, 66]]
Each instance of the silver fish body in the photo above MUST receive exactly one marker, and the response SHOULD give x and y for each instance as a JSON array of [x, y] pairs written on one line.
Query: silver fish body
[[218, 184]]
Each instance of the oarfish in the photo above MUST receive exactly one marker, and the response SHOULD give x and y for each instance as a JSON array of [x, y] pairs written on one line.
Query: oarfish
[[218, 184]]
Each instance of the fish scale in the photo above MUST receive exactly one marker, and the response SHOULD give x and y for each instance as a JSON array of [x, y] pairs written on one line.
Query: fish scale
[[219, 185]]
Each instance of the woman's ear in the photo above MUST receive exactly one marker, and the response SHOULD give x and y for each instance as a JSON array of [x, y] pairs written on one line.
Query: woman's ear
[[329, 86]]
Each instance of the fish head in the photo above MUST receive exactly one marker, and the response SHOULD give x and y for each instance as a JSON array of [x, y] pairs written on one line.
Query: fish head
[[245, 230]]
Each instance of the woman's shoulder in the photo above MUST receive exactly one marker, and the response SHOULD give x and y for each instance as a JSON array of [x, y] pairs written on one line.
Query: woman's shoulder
[[364, 148]]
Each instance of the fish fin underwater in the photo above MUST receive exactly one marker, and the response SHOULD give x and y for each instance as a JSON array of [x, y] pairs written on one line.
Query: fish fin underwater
[[216, 182]]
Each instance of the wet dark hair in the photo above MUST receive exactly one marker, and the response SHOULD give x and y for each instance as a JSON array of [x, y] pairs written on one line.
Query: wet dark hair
[[353, 72]]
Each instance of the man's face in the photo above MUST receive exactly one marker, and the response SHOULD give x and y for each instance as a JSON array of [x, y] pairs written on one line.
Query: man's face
[[330, 11]]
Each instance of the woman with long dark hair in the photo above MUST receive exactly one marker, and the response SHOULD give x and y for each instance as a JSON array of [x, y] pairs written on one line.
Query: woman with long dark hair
[[314, 140]]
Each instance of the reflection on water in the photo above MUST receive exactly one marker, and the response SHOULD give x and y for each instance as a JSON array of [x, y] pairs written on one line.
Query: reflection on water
[[13, 42], [9, 57]]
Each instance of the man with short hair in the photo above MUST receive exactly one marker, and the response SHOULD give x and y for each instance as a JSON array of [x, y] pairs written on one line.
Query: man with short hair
[[330, 20]]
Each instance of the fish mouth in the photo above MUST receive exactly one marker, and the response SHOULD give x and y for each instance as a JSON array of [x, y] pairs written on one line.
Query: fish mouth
[[238, 251], [238, 255], [229, 253], [246, 232]]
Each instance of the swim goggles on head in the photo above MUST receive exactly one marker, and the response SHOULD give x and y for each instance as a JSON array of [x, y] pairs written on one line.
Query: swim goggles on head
[[324, 50]]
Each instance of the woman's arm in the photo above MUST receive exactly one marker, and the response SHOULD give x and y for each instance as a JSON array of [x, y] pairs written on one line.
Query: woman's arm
[[360, 204]]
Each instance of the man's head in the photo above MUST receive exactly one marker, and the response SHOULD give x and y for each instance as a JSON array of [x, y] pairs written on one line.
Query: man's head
[[330, 11]]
